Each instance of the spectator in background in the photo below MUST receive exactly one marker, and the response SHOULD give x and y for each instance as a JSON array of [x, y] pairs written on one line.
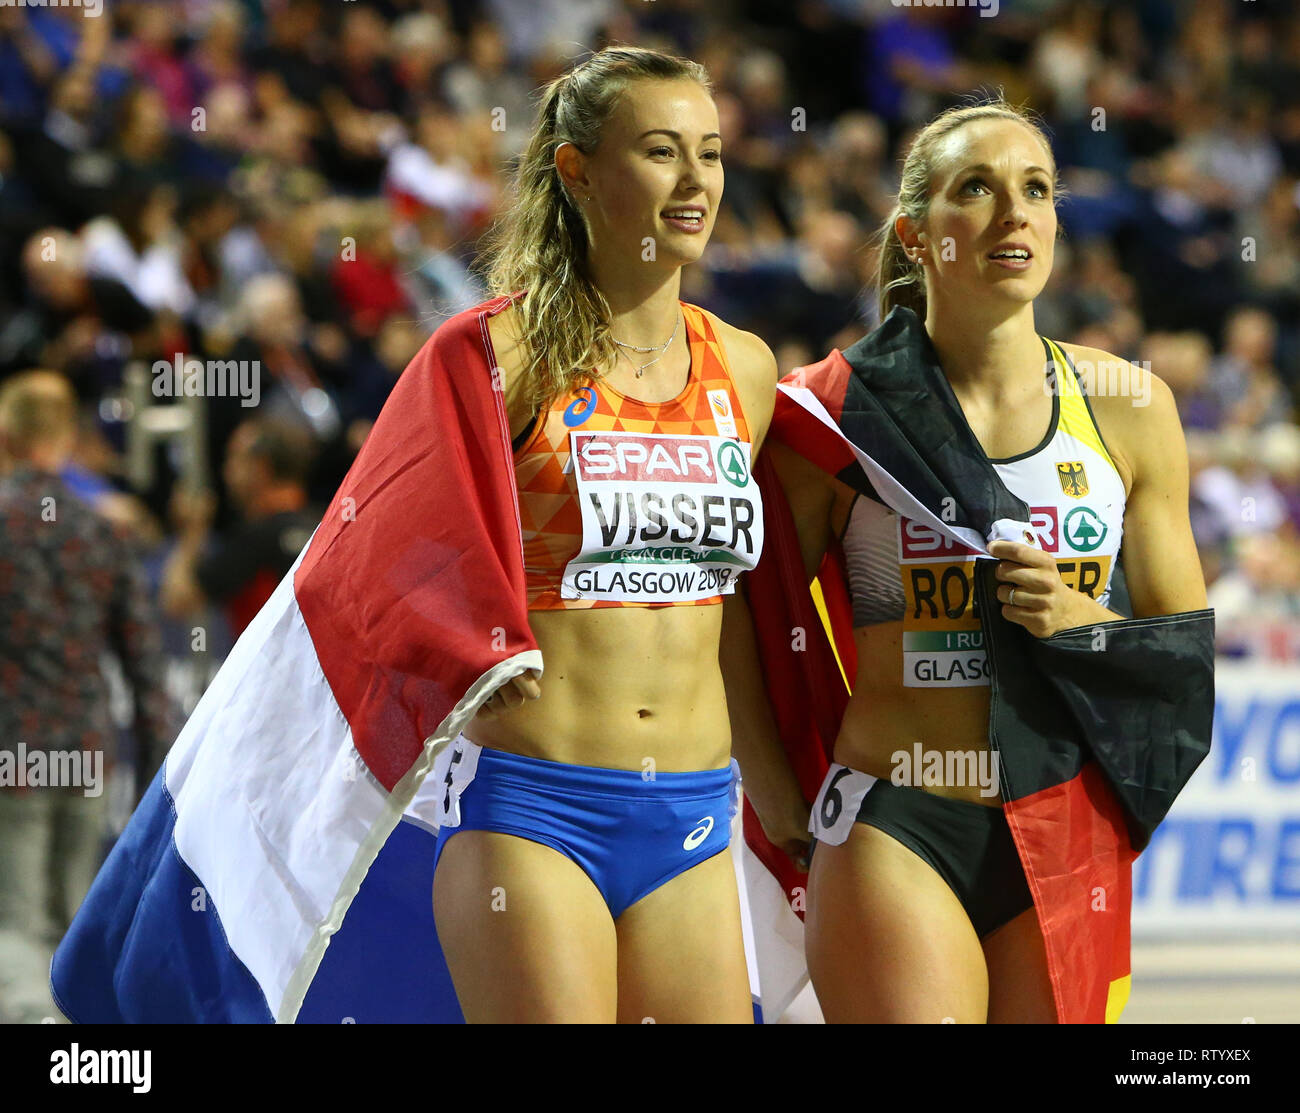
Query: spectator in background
[[1238, 488], [1257, 603], [208, 219], [296, 49], [71, 320], [72, 172], [421, 48], [1212, 535], [140, 248], [144, 144], [266, 469], [395, 346], [1066, 57], [276, 336], [481, 82], [34, 47], [861, 180], [228, 132], [153, 52], [301, 249], [432, 171], [533, 24], [1279, 452], [71, 590], [913, 66], [359, 104], [1182, 359], [218, 56], [811, 290], [1186, 262], [367, 276], [1238, 153], [1245, 379], [444, 285], [1271, 273]]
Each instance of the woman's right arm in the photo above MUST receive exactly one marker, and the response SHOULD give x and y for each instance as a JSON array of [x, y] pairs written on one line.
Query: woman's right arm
[[811, 494], [519, 414], [769, 781], [510, 359]]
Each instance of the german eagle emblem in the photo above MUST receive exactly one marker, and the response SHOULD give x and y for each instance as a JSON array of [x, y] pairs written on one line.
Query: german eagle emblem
[[1074, 480]]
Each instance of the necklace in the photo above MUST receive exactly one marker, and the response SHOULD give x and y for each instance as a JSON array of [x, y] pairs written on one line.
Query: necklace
[[661, 348]]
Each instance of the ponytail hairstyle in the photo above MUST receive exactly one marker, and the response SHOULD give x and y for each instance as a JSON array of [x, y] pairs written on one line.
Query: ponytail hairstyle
[[540, 243], [901, 281]]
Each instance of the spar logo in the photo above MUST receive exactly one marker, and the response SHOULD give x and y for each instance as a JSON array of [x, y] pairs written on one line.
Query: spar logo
[[641, 457], [731, 463], [1084, 530], [920, 541]]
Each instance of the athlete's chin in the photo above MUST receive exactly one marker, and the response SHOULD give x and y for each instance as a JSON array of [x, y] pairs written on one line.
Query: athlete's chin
[[683, 248], [1014, 287]]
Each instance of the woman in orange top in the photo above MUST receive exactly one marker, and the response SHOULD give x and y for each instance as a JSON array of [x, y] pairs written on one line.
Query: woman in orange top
[[583, 869]]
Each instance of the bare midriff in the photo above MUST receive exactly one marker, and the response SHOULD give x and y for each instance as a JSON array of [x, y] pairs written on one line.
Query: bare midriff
[[623, 688], [885, 721]]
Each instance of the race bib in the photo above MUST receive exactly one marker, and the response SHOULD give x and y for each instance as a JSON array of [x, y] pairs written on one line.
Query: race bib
[[665, 517], [836, 808], [943, 641]]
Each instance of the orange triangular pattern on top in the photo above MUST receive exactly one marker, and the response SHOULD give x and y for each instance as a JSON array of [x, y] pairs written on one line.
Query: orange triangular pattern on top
[[548, 502]]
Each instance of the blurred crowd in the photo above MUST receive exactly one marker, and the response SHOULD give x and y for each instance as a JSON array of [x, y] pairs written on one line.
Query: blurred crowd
[[302, 185]]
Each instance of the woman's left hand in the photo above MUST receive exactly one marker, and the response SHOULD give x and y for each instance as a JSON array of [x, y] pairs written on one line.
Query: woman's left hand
[[1044, 603]]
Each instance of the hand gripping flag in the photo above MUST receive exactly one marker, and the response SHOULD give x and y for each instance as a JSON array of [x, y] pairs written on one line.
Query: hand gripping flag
[[1096, 729]]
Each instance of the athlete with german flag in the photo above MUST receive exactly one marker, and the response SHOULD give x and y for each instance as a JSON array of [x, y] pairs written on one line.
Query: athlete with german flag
[[1009, 741]]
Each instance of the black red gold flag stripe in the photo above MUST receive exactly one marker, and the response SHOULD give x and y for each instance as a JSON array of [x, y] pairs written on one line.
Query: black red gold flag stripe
[[1096, 734]]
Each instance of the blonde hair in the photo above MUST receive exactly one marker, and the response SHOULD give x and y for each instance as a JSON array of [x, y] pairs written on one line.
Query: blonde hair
[[36, 408], [901, 281], [540, 243]]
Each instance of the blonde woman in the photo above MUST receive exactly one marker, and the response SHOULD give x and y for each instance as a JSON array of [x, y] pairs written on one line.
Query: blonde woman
[[918, 906], [596, 800]]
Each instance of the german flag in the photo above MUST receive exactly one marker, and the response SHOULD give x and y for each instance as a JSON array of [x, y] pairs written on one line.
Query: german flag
[[1097, 729]]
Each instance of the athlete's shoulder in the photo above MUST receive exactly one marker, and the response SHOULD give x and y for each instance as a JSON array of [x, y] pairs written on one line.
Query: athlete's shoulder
[[754, 374], [497, 320], [1114, 383], [470, 319], [1134, 408], [747, 352]]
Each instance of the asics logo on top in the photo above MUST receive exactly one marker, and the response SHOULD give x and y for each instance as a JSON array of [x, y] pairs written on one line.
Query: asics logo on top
[[581, 408]]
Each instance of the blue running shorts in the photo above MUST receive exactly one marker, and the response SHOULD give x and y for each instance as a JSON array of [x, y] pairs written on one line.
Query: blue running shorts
[[629, 833]]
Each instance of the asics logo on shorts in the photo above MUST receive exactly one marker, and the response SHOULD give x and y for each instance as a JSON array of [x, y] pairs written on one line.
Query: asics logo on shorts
[[700, 833]]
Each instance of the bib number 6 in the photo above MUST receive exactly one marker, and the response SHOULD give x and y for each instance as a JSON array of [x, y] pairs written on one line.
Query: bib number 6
[[832, 802]]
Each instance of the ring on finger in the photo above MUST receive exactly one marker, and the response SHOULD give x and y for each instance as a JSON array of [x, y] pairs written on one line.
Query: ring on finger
[[1011, 599]]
